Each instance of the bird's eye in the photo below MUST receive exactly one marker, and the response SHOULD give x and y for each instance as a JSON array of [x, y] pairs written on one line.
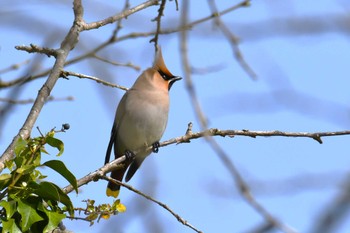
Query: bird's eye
[[164, 76]]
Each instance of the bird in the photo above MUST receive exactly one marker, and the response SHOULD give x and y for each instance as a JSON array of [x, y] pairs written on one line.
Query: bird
[[140, 120]]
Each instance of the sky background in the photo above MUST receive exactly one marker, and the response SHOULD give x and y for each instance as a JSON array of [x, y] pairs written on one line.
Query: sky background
[[298, 49]]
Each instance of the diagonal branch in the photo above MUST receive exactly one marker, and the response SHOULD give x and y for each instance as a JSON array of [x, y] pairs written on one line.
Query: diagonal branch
[[178, 217], [61, 54], [234, 41], [67, 45]]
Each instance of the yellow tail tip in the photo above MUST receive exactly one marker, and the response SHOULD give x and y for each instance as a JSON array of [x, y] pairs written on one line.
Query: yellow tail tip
[[111, 193]]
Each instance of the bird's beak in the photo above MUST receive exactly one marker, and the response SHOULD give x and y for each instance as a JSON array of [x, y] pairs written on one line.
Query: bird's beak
[[173, 79]]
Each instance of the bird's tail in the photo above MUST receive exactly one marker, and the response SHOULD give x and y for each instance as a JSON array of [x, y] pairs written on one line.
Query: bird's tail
[[113, 188]]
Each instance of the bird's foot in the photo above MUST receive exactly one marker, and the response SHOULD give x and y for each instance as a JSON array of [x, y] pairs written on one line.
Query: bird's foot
[[155, 147], [129, 155]]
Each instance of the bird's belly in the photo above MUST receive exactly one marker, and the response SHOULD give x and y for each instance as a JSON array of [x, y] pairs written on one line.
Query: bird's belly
[[142, 128]]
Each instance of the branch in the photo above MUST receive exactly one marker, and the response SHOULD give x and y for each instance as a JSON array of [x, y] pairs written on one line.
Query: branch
[[13, 67], [98, 80], [37, 49], [178, 217], [337, 211], [129, 64], [250, 133], [115, 164], [93, 176], [61, 54], [234, 41], [158, 20], [114, 39], [124, 14], [28, 101]]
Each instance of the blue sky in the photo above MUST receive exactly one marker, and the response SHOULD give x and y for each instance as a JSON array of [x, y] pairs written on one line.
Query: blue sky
[[299, 51]]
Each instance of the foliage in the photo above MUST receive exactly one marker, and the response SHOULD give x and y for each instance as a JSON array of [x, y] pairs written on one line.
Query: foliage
[[29, 202], [103, 211]]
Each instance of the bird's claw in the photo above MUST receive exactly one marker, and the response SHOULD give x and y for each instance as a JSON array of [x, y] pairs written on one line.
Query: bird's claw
[[129, 155], [155, 147]]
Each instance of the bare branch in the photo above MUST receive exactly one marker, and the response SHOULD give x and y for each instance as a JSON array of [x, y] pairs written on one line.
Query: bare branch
[[187, 69], [114, 18], [98, 80], [158, 20], [329, 219], [29, 101], [13, 67], [234, 41], [37, 49], [178, 217], [225, 159], [122, 38], [67, 45], [129, 64], [196, 135]]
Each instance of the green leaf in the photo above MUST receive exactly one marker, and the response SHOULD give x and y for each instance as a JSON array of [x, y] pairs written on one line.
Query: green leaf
[[25, 169], [54, 218], [45, 190], [10, 207], [5, 176], [10, 227], [4, 180], [29, 215], [60, 168], [51, 192], [20, 146], [54, 142]]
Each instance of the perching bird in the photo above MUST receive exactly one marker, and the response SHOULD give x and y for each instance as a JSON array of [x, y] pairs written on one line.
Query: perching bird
[[140, 120]]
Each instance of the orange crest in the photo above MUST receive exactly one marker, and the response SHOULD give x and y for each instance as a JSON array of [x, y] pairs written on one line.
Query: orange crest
[[160, 65]]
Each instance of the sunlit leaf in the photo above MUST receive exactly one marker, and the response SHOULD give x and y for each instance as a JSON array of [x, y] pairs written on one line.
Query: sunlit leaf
[[121, 208], [54, 142], [5, 176], [92, 217], [25, 169], [20, 145], [60, 168], [10, 226], [105, 216], [118, 206]]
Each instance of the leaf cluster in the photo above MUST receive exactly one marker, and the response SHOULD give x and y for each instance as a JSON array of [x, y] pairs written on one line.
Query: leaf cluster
[[96, 212], [29, 202]]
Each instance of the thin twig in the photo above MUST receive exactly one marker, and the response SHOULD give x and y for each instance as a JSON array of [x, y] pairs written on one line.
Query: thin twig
[[98, 80], [337, 211], [29, 101], [129, 64], [119, 22], [187, 69], [177, 216], [234, 41], [14, 67], [224, 158], [114, 18], [37, 49], [158, 20], [112, 40]]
